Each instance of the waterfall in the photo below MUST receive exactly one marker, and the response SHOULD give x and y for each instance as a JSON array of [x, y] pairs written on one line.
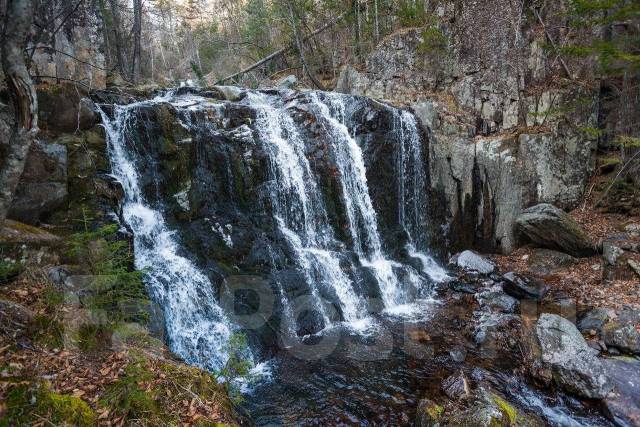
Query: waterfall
[[299, 208], [412, 194], [363, 224], [197, 327]]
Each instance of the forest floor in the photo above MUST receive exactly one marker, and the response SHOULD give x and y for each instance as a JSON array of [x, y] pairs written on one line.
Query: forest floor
[[128, 377], [584, 279]]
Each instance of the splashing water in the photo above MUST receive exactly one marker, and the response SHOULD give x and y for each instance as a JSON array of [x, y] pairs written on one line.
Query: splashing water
[[197, 328]]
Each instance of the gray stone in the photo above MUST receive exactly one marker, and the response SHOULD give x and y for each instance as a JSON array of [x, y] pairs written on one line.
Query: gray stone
[[496, 299], [552, 228], [523, 288], [624, 337], [231, 93], [456, 386], [596, 319], [623, 404], [458, 354], [573, 363], [58, 274], [471, 261], [287, 82]]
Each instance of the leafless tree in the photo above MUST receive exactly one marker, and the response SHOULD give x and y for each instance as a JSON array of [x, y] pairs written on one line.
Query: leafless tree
[[17, 25]]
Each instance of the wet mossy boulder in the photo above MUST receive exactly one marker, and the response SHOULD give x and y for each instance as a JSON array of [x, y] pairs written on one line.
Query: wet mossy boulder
[[428, 413]]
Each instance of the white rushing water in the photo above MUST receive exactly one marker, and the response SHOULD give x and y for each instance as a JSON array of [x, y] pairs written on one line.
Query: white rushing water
[[412, 194], [300, 210], [363, 224], [198, 329]]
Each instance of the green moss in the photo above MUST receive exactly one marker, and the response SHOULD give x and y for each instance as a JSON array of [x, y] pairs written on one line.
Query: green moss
[[69, 409], [28, 403], [506, 408], [46, 331], [608, 161], [126, 397], [9, 270]]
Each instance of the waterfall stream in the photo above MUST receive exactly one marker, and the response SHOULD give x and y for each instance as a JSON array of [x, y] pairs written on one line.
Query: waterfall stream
[[197, 327]]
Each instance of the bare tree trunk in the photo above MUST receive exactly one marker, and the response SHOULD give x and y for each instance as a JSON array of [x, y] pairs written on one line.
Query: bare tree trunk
[[301, 50], [17, 26], [137, 35], [115, 15]]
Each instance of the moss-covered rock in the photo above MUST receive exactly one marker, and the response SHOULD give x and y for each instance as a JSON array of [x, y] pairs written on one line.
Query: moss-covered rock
[[29, 403], [428, 413]]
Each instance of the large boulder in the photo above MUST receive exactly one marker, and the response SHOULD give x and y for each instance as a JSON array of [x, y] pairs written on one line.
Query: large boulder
[[547, 226], [623, 404], [574, 365]]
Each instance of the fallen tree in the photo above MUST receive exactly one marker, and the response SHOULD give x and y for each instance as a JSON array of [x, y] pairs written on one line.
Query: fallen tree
[[282, 51]]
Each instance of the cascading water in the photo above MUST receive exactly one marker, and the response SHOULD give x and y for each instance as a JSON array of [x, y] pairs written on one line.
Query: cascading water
[[299, 208], [197, 327], [362, 217], [413, 203]]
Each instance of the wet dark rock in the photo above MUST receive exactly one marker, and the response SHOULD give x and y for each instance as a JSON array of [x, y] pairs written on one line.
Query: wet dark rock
[[471, 261], [43, 185], [496, 299], [624, 337], [595, 319], [574, 365], [456, 386], [544, 262], [623, 404], [523, 288], [464, 287], [549, 227]]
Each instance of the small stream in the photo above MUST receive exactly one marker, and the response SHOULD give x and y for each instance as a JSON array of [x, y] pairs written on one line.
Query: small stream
[[378, 380]]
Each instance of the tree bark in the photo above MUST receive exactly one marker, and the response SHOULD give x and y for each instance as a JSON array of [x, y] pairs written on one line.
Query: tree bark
[[17, 26], [119, 45], [301, 50], [137, 35]]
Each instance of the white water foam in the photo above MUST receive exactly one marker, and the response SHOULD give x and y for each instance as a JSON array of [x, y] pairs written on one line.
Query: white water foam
[[198, 329]]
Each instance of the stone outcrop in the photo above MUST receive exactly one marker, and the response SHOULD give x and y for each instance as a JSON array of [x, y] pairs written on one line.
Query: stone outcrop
[[504, 136], [43, 186], [549, 227]]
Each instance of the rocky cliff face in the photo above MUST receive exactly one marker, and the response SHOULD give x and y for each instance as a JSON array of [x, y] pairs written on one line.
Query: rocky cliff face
[[507, 129]]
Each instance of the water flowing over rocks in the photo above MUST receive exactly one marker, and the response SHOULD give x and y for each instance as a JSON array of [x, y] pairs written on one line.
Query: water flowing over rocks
[[312, 197]]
